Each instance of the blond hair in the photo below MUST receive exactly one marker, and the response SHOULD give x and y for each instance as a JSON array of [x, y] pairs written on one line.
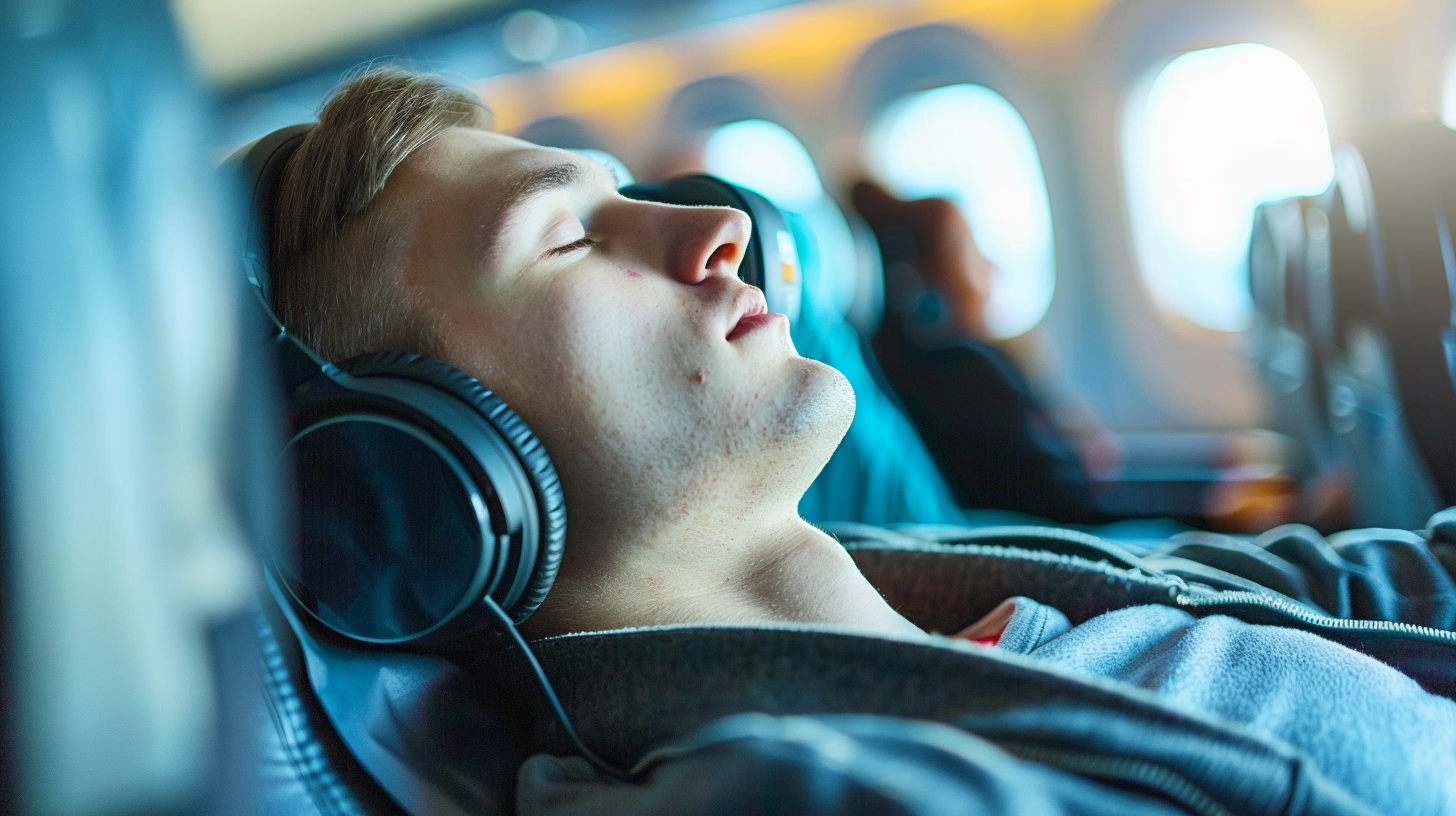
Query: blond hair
[[335, 256]]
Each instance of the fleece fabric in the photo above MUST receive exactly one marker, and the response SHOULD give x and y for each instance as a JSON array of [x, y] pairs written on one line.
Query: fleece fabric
[[1368, 727]]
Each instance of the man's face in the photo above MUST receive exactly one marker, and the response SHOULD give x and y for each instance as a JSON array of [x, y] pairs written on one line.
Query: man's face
[[618, 329]]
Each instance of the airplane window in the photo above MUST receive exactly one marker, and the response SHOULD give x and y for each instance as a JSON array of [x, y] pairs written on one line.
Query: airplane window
[[1448, 93], [1212, 135], [968, 144], [766, 157]]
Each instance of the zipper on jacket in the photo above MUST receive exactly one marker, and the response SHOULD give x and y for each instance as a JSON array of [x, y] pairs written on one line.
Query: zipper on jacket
[[1142, 773], [1068, 542], [1238, 598]]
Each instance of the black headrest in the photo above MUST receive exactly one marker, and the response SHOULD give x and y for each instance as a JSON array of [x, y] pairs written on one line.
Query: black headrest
[[305, 766], [1412, 178], [260, 167], [1383, 264]]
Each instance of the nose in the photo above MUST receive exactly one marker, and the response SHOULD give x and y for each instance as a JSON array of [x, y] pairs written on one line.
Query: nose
[[704, 242]]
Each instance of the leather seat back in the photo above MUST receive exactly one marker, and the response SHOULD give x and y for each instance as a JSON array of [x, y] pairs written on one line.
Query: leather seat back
[[1376, 276], [1413, 190], [303, 767]]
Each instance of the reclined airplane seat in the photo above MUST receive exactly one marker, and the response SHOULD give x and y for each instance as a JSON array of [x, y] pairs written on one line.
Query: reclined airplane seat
[[308, 764], [1413, 185], [304, 768], [1374, 235]]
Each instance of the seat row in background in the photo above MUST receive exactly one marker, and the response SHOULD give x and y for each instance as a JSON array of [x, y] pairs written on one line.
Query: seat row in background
[[1355, 329]]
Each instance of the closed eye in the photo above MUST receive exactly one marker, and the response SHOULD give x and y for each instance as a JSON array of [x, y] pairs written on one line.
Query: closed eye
[[583, 242]]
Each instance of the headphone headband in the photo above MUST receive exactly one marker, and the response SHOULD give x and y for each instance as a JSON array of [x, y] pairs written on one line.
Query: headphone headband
[[261, 165]]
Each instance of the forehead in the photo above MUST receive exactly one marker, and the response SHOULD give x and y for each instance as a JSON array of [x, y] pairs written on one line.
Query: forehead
[[490, 176], [481, 158]]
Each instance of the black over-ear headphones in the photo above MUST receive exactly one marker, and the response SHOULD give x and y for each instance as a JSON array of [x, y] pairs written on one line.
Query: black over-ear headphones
[[427, 507]]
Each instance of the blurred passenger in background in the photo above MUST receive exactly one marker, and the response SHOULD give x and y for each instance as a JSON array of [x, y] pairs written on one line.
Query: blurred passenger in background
[[996, 443]]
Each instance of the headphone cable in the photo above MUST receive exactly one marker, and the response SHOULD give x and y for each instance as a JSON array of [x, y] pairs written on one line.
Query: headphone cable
[[604, 767]]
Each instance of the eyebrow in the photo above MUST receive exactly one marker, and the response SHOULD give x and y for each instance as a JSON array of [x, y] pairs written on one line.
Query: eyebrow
[[529, 185]]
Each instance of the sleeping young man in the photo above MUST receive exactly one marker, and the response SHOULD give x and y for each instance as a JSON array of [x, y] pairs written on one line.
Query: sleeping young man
[[685, 426]]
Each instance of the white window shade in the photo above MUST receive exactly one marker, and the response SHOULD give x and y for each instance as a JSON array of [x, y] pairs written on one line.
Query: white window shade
[[1212, 135], [1448, 93], [968, 144]]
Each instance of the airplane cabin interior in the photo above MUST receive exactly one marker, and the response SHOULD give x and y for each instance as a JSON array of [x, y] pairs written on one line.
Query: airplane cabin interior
[[1144, 313]]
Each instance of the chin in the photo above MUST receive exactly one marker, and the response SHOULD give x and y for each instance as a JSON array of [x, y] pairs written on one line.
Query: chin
[[821, 408], [783, 449]]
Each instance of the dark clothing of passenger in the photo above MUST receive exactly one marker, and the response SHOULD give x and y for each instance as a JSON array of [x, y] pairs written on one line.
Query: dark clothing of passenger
[[993, 442], [1173, 675]]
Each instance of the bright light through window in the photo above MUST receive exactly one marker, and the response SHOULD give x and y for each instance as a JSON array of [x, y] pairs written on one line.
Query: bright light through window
[[1448, 93], [968, 144], [766, 157], [1213, 135]]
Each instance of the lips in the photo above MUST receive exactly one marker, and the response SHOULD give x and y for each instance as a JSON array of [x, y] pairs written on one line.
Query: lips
[[752, 313], [749, 323]]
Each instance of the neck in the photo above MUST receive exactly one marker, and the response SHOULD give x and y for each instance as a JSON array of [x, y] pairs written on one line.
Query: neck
[[783, 571]]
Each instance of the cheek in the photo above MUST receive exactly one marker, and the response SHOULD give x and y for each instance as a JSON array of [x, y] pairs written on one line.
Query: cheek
[[600, 337], [613, 316], [623, 355]]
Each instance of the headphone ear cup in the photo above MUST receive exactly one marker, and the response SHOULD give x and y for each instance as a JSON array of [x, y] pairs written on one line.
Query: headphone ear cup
[[529, 452]]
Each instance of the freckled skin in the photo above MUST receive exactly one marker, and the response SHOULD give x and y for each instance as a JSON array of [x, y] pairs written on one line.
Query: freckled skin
[[677, 483]]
